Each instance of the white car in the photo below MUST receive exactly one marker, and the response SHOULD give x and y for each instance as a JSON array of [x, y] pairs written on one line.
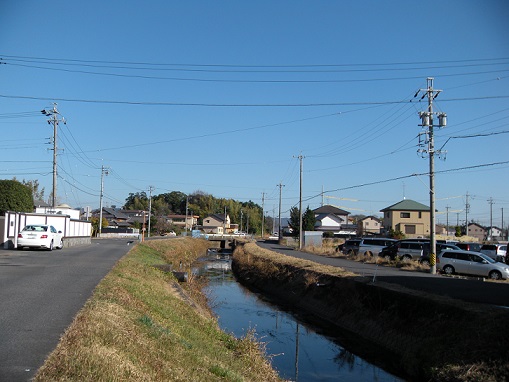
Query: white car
[[472, 263], [40, 236]]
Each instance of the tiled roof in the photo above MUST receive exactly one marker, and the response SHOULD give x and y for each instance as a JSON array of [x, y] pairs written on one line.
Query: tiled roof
[[406, 205], [328, 209]]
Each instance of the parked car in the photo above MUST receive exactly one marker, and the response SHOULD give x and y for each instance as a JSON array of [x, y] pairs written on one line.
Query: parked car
[[472, 263], [349, 247], [40, 236], [371, 246], [439, 248], [496, 251], [475, 247], [406, 250]]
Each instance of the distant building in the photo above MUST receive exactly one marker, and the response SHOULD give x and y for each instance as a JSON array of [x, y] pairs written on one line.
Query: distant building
[[183, 221], [477, 231], [216, 223], [409, 217], [370, 225], [330, 219], [61, 209]]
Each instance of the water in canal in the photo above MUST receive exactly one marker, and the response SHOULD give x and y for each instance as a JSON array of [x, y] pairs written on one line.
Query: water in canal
[[297, 350]]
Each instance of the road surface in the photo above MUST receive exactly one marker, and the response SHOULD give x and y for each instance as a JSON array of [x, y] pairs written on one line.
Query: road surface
[[40, 294]]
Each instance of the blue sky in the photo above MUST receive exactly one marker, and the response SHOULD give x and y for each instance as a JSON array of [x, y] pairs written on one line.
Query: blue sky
[[223, 96]]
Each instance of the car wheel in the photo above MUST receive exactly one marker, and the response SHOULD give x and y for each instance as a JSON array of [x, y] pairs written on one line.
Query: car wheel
[[425, 262], [61, 244], [50, 248], [449, 269], [407, 257], [495, 275], [350, 252]]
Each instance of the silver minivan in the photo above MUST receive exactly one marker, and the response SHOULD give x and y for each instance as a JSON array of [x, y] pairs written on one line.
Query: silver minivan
[[412, 250], [471, 263], [371, 246]]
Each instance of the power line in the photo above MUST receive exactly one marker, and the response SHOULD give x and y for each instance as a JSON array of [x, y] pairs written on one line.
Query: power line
[[210, 80], [253, 105], [213, 68]]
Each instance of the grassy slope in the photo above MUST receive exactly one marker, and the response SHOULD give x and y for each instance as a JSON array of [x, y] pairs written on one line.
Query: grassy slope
[[136, 328]]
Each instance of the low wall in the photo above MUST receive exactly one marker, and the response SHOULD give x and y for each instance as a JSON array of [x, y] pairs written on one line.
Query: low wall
[[76, 241], [409, 331]]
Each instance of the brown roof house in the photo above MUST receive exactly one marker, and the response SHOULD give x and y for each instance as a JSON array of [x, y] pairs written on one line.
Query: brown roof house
[[477, 231], [216, 223], [409, 217], [370, 225]]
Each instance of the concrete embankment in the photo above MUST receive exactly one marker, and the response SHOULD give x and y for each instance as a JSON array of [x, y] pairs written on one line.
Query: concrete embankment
[[424, 337]]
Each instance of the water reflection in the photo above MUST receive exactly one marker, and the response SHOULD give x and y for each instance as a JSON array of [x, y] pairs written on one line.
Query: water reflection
[[297, 351]]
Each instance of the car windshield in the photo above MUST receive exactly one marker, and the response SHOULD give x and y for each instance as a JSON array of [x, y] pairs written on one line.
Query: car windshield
[[487, 258]]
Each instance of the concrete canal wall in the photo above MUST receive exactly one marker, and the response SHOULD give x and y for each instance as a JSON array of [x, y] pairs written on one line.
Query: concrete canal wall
[[424, 337]]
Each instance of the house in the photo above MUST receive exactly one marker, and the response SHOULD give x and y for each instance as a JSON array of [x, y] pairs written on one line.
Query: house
[[370, 225], [115, 218], [494, 233], [186, 222], [477, 231], [61, 209], [409, 217], [216, 223], [330, 219]]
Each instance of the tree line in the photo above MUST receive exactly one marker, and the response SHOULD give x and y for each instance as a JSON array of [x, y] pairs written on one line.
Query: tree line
[[248, 215]]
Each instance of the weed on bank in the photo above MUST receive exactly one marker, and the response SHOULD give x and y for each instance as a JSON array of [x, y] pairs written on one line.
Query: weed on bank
[[136, 328]]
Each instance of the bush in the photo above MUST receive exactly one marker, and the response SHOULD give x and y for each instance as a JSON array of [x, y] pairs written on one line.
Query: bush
[[14, 196]]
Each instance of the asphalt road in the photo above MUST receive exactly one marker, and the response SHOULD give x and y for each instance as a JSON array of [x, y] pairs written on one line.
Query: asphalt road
[[465, 289], [40, 294]]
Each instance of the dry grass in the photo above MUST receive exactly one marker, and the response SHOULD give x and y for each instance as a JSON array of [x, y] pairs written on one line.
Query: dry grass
[[136, 328], [271, 262], [430, 337]]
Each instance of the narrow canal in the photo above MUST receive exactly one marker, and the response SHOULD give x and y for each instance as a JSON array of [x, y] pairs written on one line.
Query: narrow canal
[[298, 350]]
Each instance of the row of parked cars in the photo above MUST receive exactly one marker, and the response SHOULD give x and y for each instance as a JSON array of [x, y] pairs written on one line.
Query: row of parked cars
[[485, 260]]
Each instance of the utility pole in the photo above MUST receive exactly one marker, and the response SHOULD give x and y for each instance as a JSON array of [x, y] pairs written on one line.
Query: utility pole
[[54, 120], [447, 220], [427, 123], [150, 189], [502, 228], [104, 171], [301, 235], [241, 216], [224, 221], [467, 208], [273, 220], [279, 230], [263, 212], [187, 206], [491, 202]]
